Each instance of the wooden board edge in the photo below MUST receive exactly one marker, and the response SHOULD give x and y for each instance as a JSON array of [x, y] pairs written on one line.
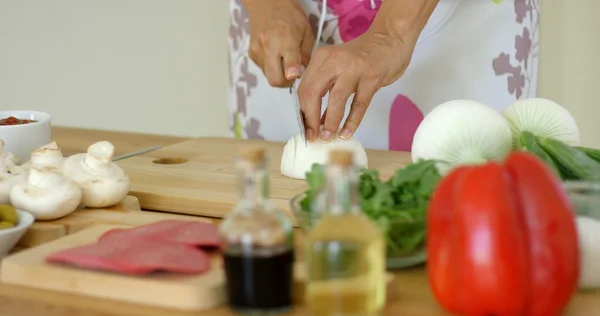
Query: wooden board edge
[[14, 269], [42, 232], [67, 283]]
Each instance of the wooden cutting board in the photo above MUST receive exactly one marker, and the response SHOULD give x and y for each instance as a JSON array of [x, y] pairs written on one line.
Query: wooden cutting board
[[44, 231], [198, 176], [128, 212], [193, 293]]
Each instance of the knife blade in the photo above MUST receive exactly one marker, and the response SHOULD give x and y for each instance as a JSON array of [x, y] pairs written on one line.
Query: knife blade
[[136, 153], [299, 113]]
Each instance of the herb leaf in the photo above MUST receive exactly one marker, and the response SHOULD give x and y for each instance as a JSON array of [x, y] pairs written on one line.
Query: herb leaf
[[398, 206]]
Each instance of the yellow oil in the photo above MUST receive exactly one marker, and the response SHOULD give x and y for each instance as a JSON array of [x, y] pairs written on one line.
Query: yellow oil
[[346, 267]]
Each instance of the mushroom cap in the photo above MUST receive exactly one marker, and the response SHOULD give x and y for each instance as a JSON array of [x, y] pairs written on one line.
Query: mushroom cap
[[46, 202], [104, 185]]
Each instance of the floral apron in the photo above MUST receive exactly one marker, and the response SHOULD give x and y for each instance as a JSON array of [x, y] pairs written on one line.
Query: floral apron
[[485, 50]]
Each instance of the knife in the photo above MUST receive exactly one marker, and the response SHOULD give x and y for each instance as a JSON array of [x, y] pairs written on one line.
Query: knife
[[136, 153], [299, 113]]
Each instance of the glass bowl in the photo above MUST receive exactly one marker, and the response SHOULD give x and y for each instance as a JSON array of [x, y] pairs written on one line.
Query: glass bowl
[[585, 197], [401, 226]]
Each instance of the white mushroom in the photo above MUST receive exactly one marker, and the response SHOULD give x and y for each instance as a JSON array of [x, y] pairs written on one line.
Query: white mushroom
[[102, 181], [47, 194], [10, 173], [8, 161], [6, 184], [48, 157]]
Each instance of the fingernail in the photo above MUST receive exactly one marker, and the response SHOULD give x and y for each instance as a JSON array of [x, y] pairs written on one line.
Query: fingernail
[[346, 133], [291, 73], [309, 134], [326, 136]]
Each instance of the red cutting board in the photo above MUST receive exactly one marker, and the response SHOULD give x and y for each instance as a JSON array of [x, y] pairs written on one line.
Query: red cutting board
[[198, 176]]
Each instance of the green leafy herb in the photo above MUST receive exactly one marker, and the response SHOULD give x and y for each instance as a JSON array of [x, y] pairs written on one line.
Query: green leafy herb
[[398, 206]]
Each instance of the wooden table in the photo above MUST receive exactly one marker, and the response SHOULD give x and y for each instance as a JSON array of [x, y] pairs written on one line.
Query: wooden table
[[76, 140], [412, 294]]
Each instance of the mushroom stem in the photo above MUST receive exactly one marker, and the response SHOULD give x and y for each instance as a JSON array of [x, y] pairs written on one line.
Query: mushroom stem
[[99, 156], [8, 161], [48, 154], [44, 178]]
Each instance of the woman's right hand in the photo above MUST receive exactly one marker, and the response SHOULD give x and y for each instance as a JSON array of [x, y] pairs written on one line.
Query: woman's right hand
[[279, 28]]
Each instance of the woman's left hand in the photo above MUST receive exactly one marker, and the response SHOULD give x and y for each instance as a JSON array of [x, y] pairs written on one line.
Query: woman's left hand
[[361, 66]]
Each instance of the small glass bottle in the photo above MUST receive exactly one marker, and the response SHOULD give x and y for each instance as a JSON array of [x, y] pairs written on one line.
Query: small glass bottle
[[345, 249], [257, 243]]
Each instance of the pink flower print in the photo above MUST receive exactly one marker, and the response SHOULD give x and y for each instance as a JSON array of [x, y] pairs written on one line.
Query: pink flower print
[[515, 79], [240, 96], [354, 16], [516, 83], [238, 25], [252, 128], [526, 46], [523, 47], [247, 77], [357, 26], [522, 7], [313, 20], [405, 117]]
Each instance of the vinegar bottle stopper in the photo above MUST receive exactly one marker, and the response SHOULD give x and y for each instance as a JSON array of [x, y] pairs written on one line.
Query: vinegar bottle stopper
[[341, 157], [253, 154]]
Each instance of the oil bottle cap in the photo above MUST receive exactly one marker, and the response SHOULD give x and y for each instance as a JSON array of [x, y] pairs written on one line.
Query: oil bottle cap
[[341, 157], [253, 154]]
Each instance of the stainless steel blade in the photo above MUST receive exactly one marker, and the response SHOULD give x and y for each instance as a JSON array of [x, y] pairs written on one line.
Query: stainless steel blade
[[299, 114]]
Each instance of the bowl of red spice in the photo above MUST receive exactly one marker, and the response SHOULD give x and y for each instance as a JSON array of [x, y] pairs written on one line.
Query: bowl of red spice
[[24, 131]]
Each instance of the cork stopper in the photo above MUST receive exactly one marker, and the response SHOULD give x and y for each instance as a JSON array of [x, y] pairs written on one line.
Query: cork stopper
[[341, 157], [253, 154]]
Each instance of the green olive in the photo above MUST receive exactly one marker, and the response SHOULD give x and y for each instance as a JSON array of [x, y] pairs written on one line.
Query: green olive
[[9, 214], [6, 225]]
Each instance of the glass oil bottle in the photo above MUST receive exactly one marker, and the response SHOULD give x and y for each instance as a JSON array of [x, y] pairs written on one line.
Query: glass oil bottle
[[346, 250], [257, 243]]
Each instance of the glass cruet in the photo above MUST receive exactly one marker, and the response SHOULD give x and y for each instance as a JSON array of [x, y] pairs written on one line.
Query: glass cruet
[[257, 243], [345, 256]]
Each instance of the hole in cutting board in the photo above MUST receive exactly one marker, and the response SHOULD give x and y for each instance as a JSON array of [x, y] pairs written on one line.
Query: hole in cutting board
[[170, 161]]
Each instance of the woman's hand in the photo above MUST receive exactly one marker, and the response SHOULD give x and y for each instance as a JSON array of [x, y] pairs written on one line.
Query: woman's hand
[[361, 66], [279, 28]]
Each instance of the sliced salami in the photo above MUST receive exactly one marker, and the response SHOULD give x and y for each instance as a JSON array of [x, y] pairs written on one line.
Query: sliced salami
[[135, 256], [197, 234]]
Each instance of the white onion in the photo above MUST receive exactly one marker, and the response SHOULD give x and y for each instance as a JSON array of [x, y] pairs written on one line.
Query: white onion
[[298, 158], [588, 230], [461, 132], [542, 118]]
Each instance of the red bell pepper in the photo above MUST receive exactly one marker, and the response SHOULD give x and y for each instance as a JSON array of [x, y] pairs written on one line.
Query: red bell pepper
[[501, 240]]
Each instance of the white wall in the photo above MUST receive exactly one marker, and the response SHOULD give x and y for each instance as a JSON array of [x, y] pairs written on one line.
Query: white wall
[[160, 66], [156, 66], [570, 61]]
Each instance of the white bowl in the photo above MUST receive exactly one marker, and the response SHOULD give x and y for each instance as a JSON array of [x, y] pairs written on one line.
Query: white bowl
[[10, 236], [21, 140]]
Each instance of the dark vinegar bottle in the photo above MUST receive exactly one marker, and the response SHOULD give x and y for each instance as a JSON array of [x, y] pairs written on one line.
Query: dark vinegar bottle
[[258, 246]]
